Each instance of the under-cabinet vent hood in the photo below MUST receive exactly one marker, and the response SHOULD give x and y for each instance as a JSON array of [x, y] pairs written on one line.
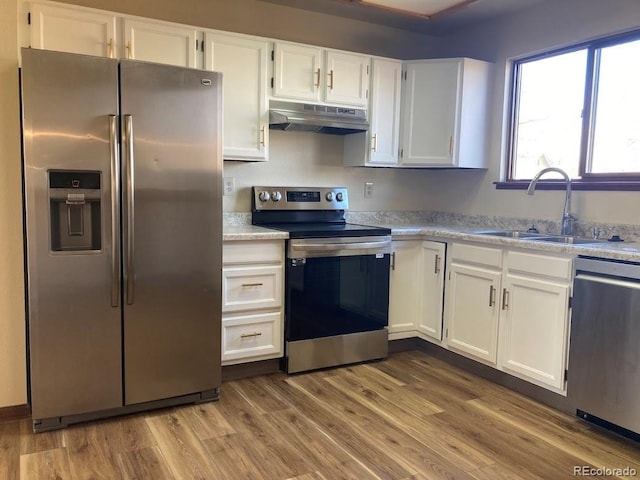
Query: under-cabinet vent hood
[[303, 117]]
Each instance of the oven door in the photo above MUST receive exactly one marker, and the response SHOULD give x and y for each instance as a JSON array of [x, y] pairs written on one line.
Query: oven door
[[336, 286]]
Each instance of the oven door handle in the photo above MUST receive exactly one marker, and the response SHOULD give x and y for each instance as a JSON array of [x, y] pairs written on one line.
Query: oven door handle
[[334, 247]]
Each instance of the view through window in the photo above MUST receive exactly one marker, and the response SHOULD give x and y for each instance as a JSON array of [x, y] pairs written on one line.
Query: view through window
[[578, 109]]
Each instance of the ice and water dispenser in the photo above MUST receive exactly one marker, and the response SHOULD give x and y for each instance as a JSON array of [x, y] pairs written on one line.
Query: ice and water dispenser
[[74, 199]]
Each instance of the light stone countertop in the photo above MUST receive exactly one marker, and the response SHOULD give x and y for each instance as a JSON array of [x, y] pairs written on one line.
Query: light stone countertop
[[251, 232], [627, 251]]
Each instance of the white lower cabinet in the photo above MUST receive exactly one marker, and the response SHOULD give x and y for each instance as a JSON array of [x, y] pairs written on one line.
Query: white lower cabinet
[[404, 291], [416, 289], [472, 313], [510, 309], [432, 289], [252, 300], [535, 322]]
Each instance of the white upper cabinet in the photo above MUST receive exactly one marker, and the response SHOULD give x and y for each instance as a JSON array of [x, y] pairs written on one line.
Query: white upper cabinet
[[444, 113], [160, 42], [73, 30], [347, 78], [307, 73], [243, 63], [384, 134], [296, 72]]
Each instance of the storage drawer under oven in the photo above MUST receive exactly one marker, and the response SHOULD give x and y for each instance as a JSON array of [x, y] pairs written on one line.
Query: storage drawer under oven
[[251, 288], [252, 335]]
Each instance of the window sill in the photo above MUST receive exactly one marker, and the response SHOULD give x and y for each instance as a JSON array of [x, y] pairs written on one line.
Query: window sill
[[597, 185]]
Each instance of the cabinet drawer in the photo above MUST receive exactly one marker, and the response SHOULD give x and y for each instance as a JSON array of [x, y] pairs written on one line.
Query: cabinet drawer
[[264, 251], [251, 288], [491, 257], [249, 336], [548, 266]]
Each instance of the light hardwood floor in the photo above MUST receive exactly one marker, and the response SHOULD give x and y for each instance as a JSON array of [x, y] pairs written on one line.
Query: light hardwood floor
[[410, 416]]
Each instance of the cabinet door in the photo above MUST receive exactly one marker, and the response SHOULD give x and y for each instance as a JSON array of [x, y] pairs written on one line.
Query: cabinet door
[[160, 43], [473, 310], [384, 133], [430, 106], [74, 31], [296, 72], [243, 63], [432, 291], [347, 79], [404, 289], [533, 330]]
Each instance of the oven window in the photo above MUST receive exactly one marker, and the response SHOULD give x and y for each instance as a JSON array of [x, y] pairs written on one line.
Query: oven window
[[336, 295]]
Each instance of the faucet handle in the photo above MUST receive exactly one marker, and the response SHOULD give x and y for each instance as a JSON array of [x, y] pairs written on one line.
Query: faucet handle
[[568, 220]]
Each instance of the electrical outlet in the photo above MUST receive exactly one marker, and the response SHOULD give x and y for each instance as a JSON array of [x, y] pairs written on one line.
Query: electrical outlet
[[229, 185], [368, 189]]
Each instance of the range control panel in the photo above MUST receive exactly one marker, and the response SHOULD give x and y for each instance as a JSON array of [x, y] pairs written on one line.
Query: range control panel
[[300, 198]]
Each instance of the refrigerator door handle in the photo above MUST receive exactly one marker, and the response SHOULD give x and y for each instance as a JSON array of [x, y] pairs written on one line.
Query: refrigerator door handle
[[115, 208], [129, 262]]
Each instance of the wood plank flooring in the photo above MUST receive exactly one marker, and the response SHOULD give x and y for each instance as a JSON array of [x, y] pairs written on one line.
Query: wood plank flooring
[[408, 417]]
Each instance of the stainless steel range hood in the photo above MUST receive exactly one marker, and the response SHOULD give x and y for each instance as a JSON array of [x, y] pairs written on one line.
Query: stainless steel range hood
[[303, 117]]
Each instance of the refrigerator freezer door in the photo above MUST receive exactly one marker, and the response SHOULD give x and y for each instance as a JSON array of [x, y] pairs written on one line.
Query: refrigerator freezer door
[[172, 222], [69, 107]]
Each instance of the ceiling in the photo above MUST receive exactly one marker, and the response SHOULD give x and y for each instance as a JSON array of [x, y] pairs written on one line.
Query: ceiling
[[448, 21]]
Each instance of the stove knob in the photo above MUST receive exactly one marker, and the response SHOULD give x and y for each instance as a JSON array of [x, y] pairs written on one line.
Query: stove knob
[[329, 196], [339, 196], [264, 196], [276, 196]]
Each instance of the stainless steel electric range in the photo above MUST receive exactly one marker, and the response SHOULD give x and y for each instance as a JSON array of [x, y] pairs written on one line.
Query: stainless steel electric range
[[336, 279]]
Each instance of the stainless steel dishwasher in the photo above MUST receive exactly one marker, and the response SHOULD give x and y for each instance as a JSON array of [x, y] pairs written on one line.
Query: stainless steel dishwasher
[[604, 355]]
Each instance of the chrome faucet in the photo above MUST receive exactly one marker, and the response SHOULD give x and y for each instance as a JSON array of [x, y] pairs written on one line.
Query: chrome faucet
[[568, 218]]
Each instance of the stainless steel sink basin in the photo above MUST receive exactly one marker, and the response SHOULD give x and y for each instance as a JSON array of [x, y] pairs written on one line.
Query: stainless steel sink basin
[[567, 240], [538, 237], [508, 234]]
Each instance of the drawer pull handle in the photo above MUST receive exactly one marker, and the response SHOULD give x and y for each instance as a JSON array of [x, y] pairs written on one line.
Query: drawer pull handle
[[437, 265], [492, 295], [250, 335], [247, 285], [317, 82]]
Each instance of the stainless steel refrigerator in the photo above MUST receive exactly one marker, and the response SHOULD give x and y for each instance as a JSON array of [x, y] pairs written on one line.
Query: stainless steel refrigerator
[[123, 221]]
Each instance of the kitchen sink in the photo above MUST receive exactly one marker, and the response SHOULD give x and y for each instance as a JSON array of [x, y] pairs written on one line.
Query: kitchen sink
[[567, 240], [508, 234], [538, 237]]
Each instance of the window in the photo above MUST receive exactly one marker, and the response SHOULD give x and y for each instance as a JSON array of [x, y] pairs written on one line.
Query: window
[[578, 109]]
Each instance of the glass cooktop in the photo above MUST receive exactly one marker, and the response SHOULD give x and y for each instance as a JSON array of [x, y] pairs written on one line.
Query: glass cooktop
[[326, 230]]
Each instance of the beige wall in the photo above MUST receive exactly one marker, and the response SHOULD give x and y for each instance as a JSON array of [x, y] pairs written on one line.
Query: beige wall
[[12, 326], [550, 25], [312, 159]]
